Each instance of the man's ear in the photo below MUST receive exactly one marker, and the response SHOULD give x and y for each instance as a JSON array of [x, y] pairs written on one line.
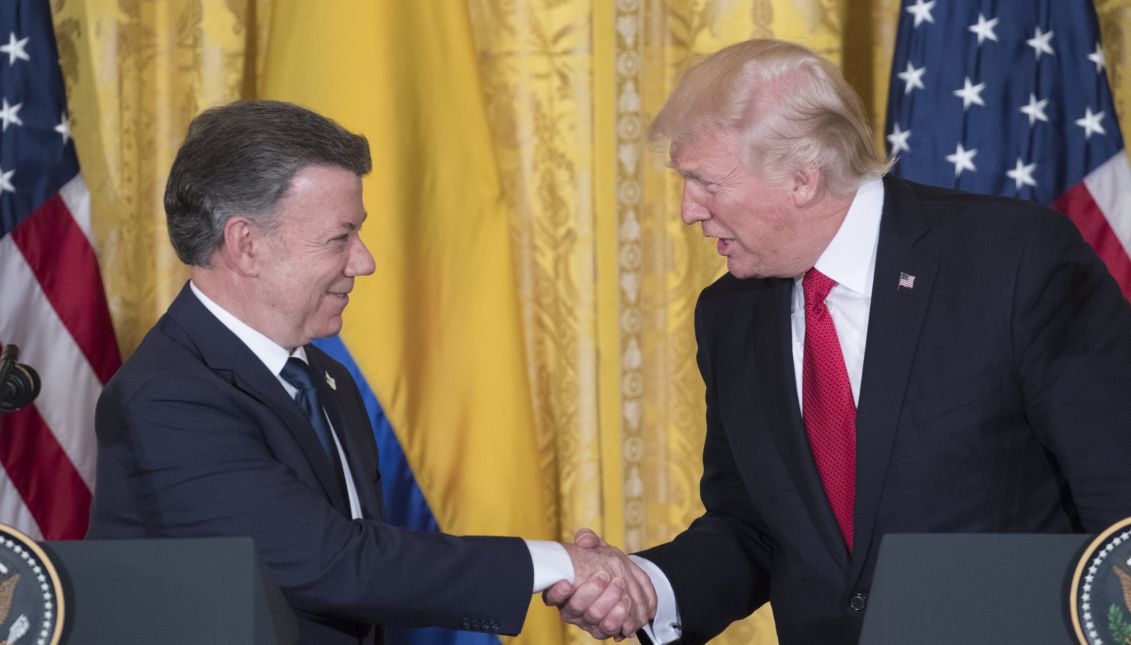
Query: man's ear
[[807, 185], [243, 246]]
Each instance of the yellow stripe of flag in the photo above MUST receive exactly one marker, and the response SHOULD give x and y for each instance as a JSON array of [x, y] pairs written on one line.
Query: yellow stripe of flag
[[437, 330]]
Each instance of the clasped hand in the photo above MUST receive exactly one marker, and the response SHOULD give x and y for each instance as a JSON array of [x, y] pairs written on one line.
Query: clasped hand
[[610, 596]]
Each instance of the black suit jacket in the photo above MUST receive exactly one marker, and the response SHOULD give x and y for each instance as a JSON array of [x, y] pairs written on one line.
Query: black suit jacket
[[197, 438], [995, 397]]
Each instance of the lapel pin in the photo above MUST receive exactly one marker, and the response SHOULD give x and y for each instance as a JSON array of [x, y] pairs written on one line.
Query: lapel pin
[[906, 281], [330, 381]]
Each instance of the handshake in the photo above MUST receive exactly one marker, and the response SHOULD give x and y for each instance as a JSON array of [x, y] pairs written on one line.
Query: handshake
[[610, 596]]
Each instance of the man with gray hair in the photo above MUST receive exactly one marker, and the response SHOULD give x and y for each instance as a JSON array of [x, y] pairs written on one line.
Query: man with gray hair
[[226, 421], [882, 357]]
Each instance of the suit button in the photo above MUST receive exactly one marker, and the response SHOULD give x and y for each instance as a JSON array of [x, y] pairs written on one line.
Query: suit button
[[857, 602]]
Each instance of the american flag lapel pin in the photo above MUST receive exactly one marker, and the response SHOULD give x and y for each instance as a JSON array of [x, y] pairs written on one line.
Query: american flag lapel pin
[[906, 281], [330, 381]]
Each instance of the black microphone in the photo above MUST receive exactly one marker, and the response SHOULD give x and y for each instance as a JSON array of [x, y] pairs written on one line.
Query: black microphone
[[19, 384]]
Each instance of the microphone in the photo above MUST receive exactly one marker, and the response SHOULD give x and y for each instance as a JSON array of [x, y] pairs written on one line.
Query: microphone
[[19, 384]]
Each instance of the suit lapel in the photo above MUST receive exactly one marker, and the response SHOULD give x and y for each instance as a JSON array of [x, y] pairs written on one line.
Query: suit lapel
[[894, 324], [261, 384], [771, 365], [362, 469], [224, 353]]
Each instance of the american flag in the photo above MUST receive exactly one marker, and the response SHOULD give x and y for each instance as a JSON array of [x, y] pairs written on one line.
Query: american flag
[[1012, 98], [51, 300]]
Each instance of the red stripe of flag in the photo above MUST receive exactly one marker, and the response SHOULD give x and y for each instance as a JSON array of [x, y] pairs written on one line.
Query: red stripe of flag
[[63, 261], [46, 479], [1081, 208]]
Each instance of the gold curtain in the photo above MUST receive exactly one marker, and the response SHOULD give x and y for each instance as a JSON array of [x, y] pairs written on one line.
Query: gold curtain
[[607, 274], [136, 72]]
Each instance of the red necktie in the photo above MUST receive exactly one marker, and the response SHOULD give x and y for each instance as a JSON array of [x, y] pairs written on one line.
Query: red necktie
[[826, 403]]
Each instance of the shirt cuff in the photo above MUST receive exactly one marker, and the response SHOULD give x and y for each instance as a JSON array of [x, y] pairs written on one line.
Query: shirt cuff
[[665, 627], [551, 564]]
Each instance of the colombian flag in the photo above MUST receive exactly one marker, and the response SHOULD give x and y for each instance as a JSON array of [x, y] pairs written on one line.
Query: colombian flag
[[434, 337]]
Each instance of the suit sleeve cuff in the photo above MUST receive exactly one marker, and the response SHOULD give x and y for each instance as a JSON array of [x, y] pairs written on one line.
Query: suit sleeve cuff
[[665, 627], [551, 564]]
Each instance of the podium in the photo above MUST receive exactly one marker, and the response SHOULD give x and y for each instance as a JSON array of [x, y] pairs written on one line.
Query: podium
[[972, 589], [212, 590]]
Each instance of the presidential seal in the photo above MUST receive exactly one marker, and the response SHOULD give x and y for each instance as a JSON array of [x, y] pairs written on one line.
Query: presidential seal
[[31, 597], [1100, 595]]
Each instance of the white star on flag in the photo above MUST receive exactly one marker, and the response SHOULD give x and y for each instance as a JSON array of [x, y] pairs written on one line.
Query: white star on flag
[[984, 28], [64, 127], [1040, 43], [962, 159], [922, 11], [912, 77], [898, 140], [10, 114], [970, 94], [1035, 109], [15, 49], [6, 181], [1097, 57], [1091, 122], [1022, 174]]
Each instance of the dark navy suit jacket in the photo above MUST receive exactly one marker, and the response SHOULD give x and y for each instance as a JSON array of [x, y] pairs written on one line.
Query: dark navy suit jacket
[[995, 397], [197, 438]]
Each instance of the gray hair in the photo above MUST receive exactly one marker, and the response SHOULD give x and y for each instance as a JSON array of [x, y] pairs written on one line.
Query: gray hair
[[791, 107], [239, 159]]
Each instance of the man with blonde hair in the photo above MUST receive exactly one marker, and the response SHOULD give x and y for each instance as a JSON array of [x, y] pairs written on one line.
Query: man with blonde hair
[[882, 357]]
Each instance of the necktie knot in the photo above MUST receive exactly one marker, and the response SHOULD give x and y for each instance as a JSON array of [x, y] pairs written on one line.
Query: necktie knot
[[296, 373], [816, 286]]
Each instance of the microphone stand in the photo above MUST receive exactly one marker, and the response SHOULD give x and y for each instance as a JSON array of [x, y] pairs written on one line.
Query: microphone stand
[[19, 384]]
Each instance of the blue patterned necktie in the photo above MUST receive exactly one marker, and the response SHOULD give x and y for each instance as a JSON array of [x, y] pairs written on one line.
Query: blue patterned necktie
[[296, 373]]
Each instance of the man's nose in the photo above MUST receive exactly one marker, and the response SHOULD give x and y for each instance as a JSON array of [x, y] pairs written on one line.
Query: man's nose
[[361, 260], [690, 210]]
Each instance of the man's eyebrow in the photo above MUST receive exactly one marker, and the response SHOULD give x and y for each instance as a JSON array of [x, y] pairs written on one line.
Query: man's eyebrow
[[689, 173], [672, 165], [350, 226]]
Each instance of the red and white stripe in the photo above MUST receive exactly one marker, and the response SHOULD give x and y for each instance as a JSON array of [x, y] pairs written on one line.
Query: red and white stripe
[[1101, 208], [53, 306]]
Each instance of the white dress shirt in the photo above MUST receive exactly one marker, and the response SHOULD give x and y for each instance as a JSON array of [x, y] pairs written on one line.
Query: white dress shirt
[[551, 562], [850, 260]]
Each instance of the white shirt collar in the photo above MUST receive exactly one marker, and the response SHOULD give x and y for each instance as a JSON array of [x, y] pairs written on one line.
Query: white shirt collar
[[850, 258], [273, 355]]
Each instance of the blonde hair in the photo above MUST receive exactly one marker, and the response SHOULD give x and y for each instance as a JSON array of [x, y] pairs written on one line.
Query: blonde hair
[[791, 107]]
